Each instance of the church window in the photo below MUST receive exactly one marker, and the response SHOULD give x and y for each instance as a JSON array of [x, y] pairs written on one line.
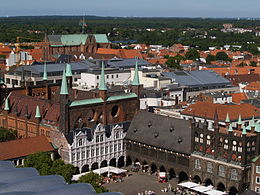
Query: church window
[[73, 156], [102, 151], [234, 174], [115, 148], [197, 164], [83, 155], [97, 151], [78, 156], [239, 149], [106, 149], [221, 171], [209, 167], [87, 153], [234, 148], [92, 153], [117, 135]]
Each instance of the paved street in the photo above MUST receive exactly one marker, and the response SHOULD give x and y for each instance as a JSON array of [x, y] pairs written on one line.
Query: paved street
[[139, 182]]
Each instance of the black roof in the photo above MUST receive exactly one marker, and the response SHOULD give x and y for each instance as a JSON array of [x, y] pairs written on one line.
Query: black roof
[[90, 132], [161, 131], [150, 93]]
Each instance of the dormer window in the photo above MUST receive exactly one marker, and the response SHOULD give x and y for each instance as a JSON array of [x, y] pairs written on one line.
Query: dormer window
[[135, 130], [80, 142], [150, 124], [171, 129], [156, 134]]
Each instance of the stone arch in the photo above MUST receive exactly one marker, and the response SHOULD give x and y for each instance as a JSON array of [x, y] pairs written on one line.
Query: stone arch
[[112, 162], [221, 187], [197, 179], [208, 182], [233, 191], [183, 176], [103, 163], [172, 173], [128, 161], [162, 168], [121, 161], [153, 168], [85, 169], [94, 166]]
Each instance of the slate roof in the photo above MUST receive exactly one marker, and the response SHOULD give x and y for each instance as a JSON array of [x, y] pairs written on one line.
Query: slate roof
[[38, 69], [150, 93], [160, 131], [23, 147], [26, 181], [196, 78], [126, 63], [90, 132]]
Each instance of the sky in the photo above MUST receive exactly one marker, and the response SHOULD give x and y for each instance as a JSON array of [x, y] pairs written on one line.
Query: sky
[[133, 8]]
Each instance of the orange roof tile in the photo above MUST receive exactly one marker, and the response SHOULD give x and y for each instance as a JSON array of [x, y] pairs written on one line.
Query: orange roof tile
[[253, 86], [24, 147], [238, 97], [200, 109]]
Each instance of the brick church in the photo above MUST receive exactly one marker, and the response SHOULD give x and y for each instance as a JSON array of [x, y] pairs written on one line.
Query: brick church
[[46, 109]]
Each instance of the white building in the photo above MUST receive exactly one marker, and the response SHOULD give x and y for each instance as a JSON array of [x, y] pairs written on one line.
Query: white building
[[90, 80], [90, 149], [152, 78]]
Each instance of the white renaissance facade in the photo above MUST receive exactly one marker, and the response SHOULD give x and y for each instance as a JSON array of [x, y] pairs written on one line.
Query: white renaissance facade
[[99, 147]]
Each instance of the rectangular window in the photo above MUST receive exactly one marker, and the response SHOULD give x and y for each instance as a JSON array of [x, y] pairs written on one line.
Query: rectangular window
[[97, 77], [196, 139], [92, 153], [115, 148], [106, 149], [107, 76], [83, 155], [87, 153], [257, 180], [112, 76], [117, 76], [97, 152], [257, 169], [119, 147], [257, 189]]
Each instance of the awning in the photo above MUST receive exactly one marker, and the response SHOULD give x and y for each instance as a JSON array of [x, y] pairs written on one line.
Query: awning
[[202, 188], [215, 192], [188, 184]]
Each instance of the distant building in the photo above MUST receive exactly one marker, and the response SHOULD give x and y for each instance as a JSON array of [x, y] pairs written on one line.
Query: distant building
[[65, 44], [255, 175]]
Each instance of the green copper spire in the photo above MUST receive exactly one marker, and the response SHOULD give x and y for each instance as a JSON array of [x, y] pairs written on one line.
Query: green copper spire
[[45, 76], [230, 129], [7, 108], [68, 71], [227, 118], [244, 130], [239, 120], [257, 128], [102, 84], [64, 86], [136, 81], [253, 122], [37, 113]]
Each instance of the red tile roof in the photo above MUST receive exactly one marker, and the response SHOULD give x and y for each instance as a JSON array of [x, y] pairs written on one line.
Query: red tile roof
[[253, 86], [200, 109], [238, 97], [122, 53], [24, 147]]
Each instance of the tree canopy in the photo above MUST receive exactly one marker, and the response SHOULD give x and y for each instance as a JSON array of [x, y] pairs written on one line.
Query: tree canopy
[[7, 134], [95, 180], [222, 56], [192, 54], [46, 166]]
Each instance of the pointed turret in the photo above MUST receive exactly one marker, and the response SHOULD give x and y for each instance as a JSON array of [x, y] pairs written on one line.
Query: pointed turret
[[64, 86], [239, 120], [68, 71], [102, 84], [6, 108], [37, 112], [136, 81], [230, 129], [244, 131], [45, 75], [227, 118]]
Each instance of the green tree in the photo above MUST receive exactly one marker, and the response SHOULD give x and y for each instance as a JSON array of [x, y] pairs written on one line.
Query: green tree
[[7, 135], [46, 166], [222, 56], [192, 54], [95, 180], [172, 62], [210, 58], [65, 170]]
